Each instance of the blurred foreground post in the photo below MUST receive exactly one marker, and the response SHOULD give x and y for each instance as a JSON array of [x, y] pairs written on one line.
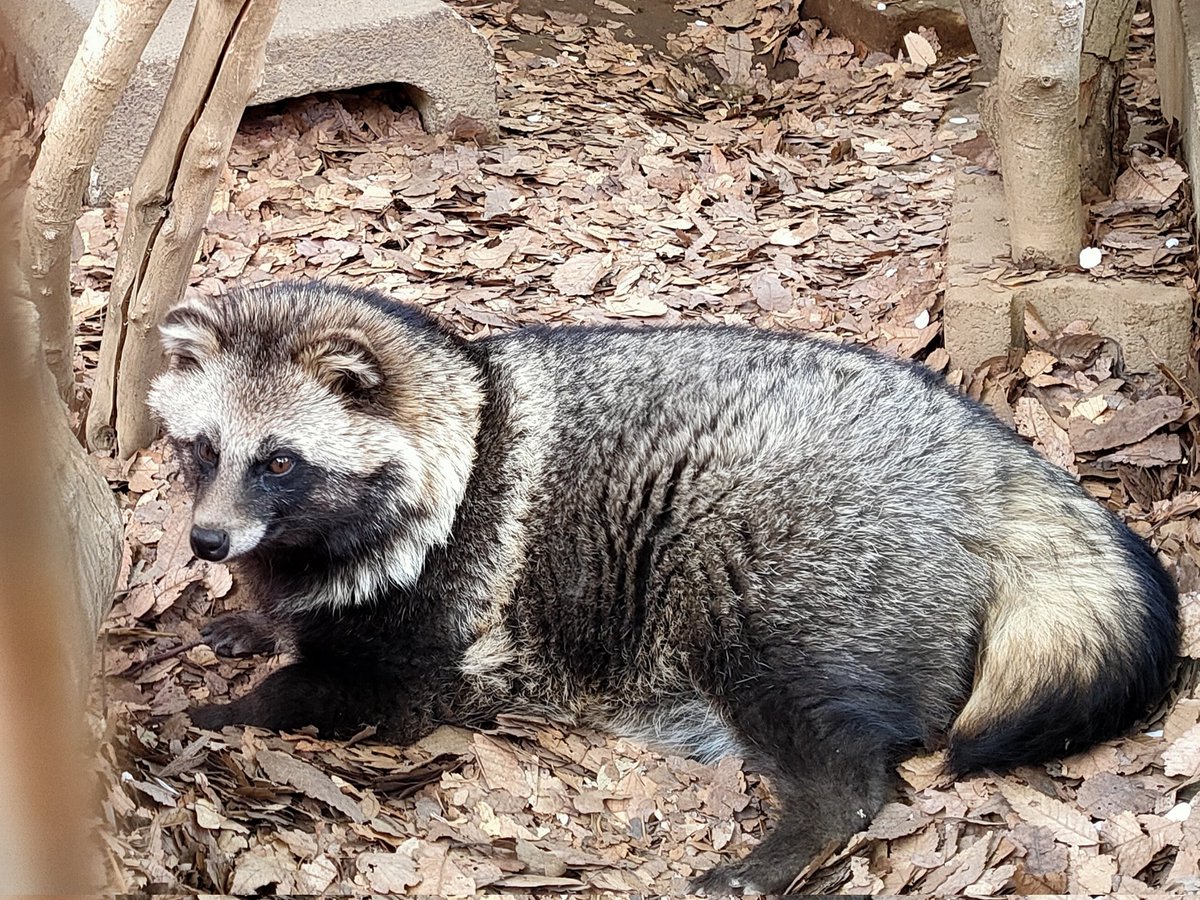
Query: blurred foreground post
[[60, 548], [58, 561]]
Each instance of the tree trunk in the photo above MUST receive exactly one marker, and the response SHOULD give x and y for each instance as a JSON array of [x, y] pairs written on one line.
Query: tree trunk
[[1101, 65], [111, 48], [985, 20], [220, 68], [1102, 135], [1033, 114]]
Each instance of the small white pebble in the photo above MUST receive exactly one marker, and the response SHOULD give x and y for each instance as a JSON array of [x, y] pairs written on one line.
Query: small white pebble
[[881, 6], [1156, 733], [922, 319], [1179, 812], [1172, 242], [125, 776], [933, 157], [889, 272], [958, 120], [1089, 257], [534, 117], [700, 23]]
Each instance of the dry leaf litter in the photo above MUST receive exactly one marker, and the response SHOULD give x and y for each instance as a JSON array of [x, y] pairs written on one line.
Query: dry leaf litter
[[720, 162]]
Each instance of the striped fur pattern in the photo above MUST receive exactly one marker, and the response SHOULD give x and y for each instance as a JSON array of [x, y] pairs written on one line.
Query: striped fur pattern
[[717, 540]]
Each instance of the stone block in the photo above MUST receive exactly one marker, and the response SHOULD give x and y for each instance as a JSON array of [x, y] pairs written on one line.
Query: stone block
[[315, 45]]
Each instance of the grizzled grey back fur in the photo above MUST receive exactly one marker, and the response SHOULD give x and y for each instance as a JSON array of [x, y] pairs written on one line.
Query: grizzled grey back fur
[[719, 540]]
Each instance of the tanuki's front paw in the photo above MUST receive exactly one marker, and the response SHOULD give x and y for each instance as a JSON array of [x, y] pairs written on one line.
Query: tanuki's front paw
[[722, 881], [240, 634]]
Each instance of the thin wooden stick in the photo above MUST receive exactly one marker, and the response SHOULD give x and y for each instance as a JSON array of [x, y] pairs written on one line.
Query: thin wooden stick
[[107, 56], [219, 70]]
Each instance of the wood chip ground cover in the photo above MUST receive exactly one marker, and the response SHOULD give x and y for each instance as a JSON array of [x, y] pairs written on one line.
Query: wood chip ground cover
[[736, 165]]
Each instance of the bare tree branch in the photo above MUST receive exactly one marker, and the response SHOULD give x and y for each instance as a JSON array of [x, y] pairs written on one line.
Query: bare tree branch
[[218, 72], [107, 56]]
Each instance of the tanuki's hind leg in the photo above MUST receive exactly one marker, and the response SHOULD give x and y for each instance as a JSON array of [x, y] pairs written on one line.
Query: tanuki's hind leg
[[830, 779]]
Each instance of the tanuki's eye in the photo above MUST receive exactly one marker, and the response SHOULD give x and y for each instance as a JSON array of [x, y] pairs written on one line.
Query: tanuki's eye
[[205, 451], [281, 464]]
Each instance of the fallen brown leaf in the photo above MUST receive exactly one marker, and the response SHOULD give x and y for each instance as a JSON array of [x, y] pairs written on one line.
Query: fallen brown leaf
[[1126, 426], [283, 768], [1067, 824], [580, 274]]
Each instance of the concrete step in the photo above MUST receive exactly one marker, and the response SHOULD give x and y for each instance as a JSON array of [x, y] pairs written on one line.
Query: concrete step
[[983, 319], [316, 45]]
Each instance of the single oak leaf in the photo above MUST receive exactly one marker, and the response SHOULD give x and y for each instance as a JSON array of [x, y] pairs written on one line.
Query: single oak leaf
[[769, 293], [1067, 824], [1106, 794], [1156, 450], [1126, 426], [1093, 874], [388, 873], [896, 820], [580, 274], [283, 768], [1183, 756], [261, 866]]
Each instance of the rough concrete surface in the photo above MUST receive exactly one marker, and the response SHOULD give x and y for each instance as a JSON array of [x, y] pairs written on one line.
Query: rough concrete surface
[[883, 29], [977, 318], [316, 45], [1151, 322], [1177, 60]]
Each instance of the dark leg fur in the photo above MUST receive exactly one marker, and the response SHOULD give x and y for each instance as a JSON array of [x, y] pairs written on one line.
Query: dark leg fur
[[831, 777], [240, 634], [304, 695], [291, 697], [818, 811]]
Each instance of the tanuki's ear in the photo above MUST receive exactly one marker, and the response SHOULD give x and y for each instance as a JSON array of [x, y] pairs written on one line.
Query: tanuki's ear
[[189, 335], [342, 361]]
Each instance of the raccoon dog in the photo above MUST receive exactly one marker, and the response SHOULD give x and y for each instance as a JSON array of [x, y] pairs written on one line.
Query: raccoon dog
[[715, 540]]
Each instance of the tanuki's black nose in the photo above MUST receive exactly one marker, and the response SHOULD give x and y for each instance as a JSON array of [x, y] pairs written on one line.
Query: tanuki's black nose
[[210, 544]]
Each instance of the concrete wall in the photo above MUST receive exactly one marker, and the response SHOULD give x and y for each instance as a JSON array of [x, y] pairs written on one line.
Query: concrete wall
[[1177, 59], [316, 45]]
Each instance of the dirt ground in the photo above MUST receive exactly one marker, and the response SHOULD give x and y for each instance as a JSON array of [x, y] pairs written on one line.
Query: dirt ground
[[710, 161]]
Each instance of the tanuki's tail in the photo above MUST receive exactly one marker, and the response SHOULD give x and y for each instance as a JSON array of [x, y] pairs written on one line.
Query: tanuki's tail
[[1078, 639]]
